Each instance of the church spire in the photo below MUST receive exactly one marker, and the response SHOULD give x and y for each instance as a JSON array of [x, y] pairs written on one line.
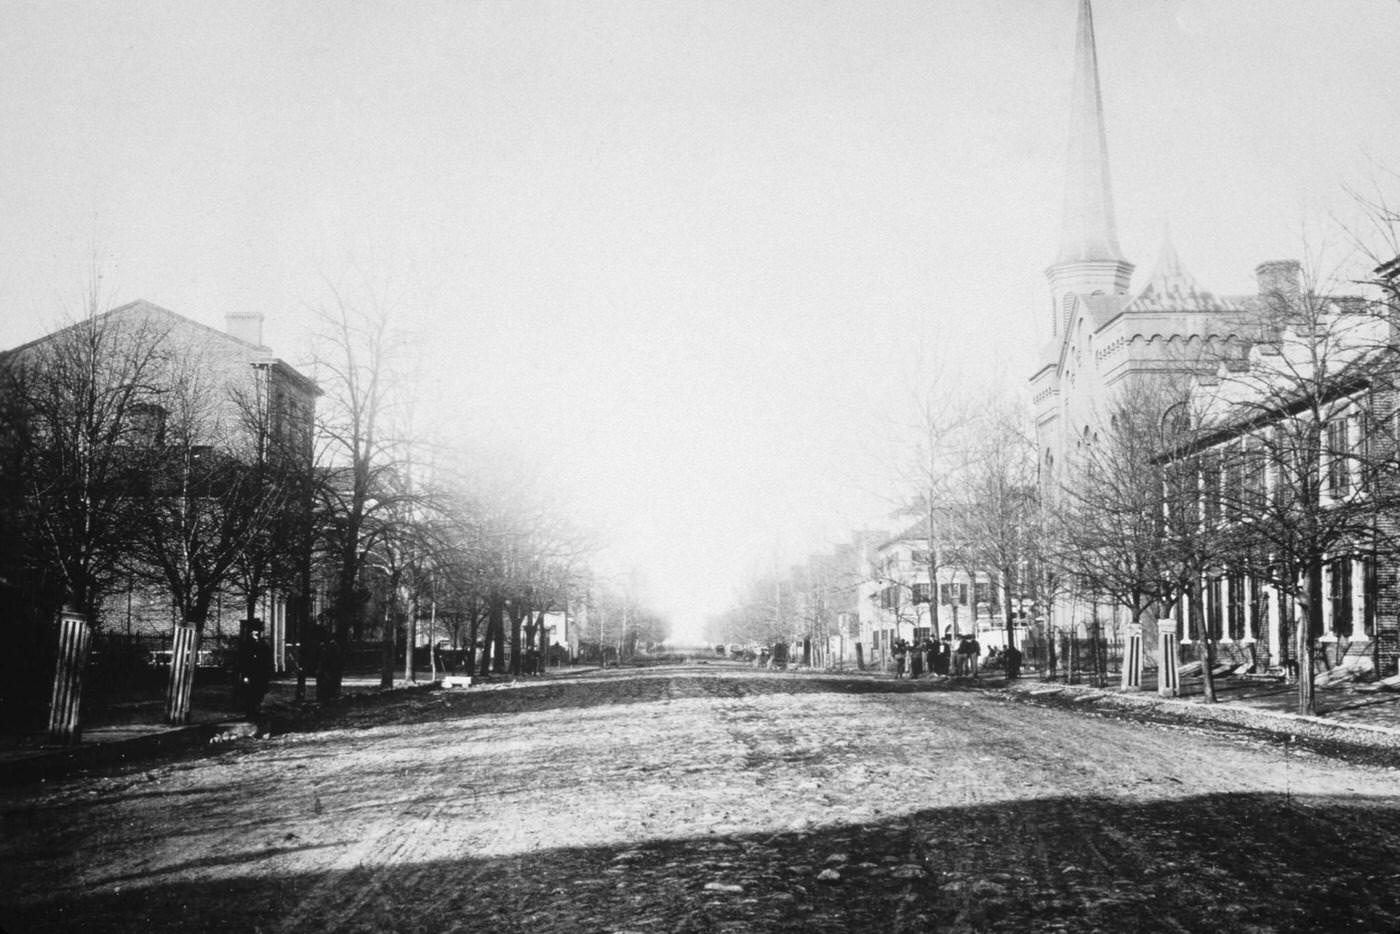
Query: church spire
[[1089, 232], [1089, 238]]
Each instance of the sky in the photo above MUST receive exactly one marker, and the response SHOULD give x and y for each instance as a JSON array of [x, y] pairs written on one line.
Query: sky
[[690, 260]]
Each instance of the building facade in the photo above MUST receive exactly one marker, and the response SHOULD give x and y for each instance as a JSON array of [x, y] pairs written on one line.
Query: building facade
[[203, 393], [900, 602], [1109, 339]]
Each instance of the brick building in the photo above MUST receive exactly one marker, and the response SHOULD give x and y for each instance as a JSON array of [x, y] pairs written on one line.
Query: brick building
[[223, 392]]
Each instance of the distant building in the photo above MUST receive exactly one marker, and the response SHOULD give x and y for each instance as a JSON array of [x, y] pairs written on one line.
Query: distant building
[[900, 603]]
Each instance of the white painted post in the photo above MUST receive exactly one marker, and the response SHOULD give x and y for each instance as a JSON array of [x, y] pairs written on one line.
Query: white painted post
[[1168, 677], [1132, 660], [74, 639], [184, 656]]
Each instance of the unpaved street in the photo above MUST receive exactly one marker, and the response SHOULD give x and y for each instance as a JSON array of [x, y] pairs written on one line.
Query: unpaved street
[[713, 799]]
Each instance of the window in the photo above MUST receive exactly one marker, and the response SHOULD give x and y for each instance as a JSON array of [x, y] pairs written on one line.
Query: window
[[920, 556], [1183, 509], [889, 598], [1256, 481], [1339, 593], [1283, 463], [985, 592], [1234, 606], [1338, 459], [1213, 609], [921, 593], [1232, 479], [1210, 490], [1258, 608], [1370, 590], [952, 594]]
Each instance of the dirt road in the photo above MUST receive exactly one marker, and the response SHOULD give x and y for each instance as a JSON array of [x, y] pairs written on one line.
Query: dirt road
[[706, 799]]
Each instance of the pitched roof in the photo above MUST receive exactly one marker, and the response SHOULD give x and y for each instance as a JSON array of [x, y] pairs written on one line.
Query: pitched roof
[[1172, 288]]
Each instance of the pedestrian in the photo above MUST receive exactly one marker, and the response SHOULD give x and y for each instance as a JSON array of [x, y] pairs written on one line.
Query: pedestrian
[[962, 663], [1013, 662], [943, 655], [916, 663], [256, 675], [328, 668], [901, 650], [973, 654]]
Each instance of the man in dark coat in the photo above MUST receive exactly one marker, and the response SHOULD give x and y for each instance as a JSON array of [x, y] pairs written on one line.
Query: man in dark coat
[[1013, 662], [256, 675], [942, 657]]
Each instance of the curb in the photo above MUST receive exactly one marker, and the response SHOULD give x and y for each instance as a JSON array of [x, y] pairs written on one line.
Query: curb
[[53, 762], [1268, 721]]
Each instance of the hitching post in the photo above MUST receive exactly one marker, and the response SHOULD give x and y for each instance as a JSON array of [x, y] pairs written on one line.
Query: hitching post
[[1168, 678], [74, 638], [1132, 660]]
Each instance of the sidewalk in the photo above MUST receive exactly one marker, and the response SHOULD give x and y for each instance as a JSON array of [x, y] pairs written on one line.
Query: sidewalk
[[1347, 713], [133, 730]]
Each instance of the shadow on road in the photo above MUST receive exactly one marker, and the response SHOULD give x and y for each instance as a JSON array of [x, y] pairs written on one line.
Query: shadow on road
[[1240, 862]]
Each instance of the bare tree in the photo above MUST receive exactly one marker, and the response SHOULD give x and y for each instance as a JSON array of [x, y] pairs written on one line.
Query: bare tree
[[997, 518], [83, 412], [1130, 529], [359, 454], [77, 413]]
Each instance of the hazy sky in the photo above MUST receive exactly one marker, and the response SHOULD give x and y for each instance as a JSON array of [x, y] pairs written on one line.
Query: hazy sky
[[684, 255]]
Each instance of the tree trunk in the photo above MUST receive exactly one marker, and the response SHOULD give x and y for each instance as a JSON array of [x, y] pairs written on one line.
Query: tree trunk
[[544, 643], [516, 644], [410, 638], [1207, 643], [1010, 611], [386, 658], [493, 613], [498, 640], [1307, 640]]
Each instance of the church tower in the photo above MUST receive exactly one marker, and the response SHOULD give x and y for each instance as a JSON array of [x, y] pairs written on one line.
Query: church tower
[[1090, 261]]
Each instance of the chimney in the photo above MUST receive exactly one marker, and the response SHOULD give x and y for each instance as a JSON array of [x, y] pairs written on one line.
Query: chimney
[[245, 325], [1388, 278], [1279, 280]]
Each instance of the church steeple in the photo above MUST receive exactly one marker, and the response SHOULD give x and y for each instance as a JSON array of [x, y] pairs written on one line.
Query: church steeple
[[1090, 259]]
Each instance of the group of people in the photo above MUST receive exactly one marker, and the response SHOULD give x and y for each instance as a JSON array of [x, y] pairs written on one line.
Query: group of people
[[913, 660]]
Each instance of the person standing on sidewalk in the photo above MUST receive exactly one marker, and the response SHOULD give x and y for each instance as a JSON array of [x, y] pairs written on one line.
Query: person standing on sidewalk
[[1013, 662], [256, 676]]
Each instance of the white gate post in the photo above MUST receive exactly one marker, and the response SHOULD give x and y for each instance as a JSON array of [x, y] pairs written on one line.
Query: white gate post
[[1132, 660], [1168, 678], [70, 669]]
